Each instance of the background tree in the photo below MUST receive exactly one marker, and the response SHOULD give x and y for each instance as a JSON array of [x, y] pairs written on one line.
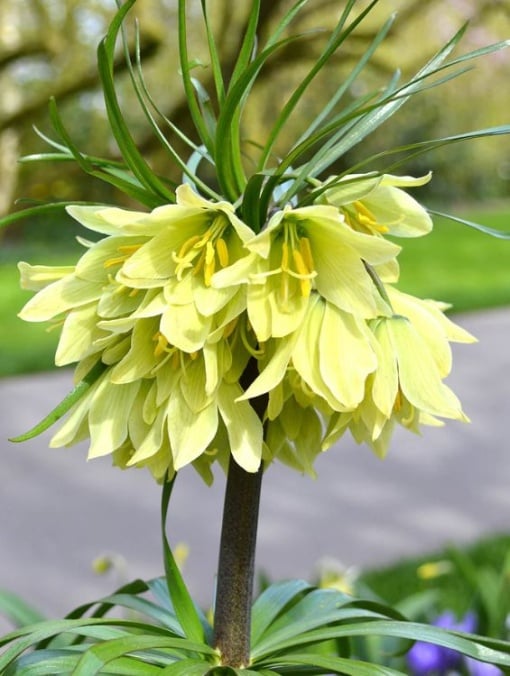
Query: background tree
[[47, 48]]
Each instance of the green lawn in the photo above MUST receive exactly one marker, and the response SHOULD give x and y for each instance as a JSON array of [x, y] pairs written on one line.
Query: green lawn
[[458, 264], [455, 263]]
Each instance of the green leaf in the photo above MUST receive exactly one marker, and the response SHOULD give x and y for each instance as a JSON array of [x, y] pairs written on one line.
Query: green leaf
[[191, 667], [337, 38], [127, 146], [125, 182], [187, 80], [68, 402], [227, 143], [479, 647], [338, 665], [477, 226], [145, 99], [181, 600], [317, 608], [214, 55], [18, 611], [271, 603], [98, 656], [63, 661]]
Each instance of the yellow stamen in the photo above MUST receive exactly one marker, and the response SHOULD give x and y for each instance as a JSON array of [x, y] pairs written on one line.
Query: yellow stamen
[[210, 263], [367, 218], [126, 250], [161, 344], [222, 251], [133, 293], [188, 245], [306, 253], [199, 265], [129, 249], [304, 280]]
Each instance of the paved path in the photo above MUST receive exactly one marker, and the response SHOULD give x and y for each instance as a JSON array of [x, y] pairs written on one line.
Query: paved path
[[57, 512]]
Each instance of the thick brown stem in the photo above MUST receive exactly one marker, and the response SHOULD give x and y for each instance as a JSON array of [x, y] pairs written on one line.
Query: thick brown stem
[[236, 567]]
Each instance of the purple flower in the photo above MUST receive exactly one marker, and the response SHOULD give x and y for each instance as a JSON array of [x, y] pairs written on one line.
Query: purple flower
[[425, 659], [477, 668]]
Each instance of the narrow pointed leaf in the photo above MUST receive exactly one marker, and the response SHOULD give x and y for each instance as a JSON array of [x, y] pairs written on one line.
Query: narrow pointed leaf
[[271, 603], [181, 599], [70, 400], [500, 234]]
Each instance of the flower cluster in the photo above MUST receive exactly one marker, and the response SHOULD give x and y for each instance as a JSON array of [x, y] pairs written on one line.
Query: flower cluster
[[180, 304]]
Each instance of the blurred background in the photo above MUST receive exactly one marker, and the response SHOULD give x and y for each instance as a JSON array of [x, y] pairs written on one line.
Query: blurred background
[[47, 48]]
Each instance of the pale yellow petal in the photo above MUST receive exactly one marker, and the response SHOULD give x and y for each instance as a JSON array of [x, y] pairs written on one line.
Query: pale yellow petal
[[108, 417], [244, 427]]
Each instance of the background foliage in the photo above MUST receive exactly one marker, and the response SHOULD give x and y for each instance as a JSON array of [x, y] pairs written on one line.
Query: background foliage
[[47, 48]]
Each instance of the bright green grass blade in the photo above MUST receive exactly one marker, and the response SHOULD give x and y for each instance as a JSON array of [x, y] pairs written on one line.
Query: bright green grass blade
[[130, 186], [145, 99], [315, 610], [246, 53], [371, 121], [227, 143], [143, 606], [413, 150], [337, 665], [367, 123], [181, 600], [68, 402], [219, 84], [270, 604], [23, 639], [481, 648], [105, 604], [35, 211], [189, 90], [186, 667], [205, 105], [159, 589], [477, 226], [99, 655], [346, 84], [43, 662], [17, 610], [337, 38], [120, 130]]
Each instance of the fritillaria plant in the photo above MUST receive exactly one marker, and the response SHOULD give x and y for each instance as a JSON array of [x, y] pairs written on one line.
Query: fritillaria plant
[[246, 319]]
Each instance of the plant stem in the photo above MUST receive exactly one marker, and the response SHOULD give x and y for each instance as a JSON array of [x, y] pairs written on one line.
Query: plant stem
[[236, 566]]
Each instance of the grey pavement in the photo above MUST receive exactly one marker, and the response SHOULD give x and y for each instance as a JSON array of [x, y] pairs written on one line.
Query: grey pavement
[[58, 512]]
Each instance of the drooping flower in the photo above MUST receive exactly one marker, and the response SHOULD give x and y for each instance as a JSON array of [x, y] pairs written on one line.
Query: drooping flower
[[300, 250], [413, 357], [377, 205], [186, 242], [172, 346], [331, 353]]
